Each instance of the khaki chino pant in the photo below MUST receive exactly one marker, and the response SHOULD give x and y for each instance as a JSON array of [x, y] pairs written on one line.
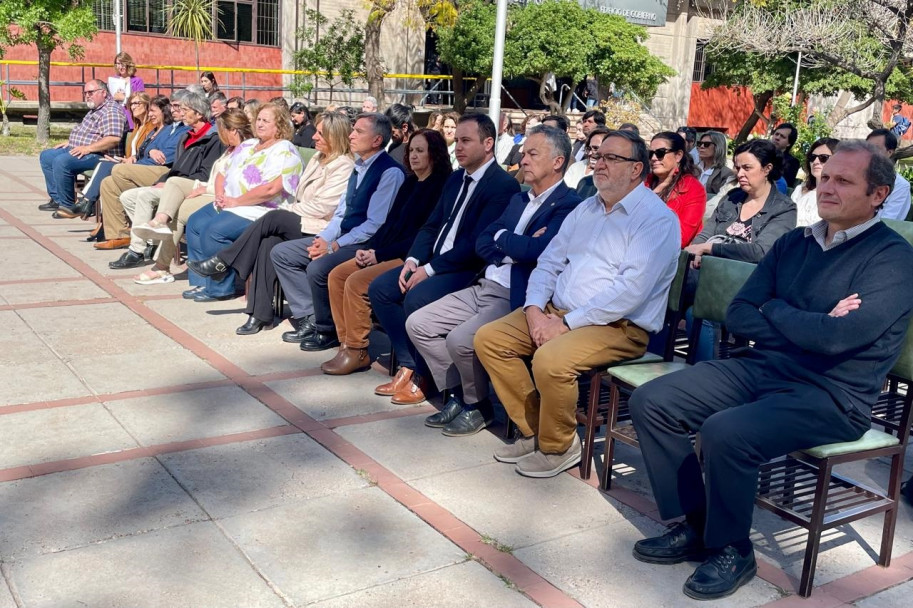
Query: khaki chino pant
[[348, 287], [545, 403], [123, 178]]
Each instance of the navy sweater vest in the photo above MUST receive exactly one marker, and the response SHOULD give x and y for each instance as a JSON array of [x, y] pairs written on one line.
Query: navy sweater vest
[[357, 199]]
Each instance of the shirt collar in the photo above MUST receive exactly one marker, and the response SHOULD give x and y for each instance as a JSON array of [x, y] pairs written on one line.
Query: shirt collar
[[818, 231], [363, 165], [630, 201], [478, 173], [544, 196]]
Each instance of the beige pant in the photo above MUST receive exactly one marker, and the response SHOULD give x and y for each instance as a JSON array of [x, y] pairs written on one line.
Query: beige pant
[[140, 204], [123, 178], [187, 208], [545, 403]]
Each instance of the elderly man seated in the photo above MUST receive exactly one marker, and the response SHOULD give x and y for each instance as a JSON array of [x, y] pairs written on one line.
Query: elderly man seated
[[443, 331], [598, 289], [98, 134], [827, 309]]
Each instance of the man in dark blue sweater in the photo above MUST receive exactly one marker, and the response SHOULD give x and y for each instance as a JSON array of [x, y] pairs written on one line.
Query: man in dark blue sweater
[[827, 308]]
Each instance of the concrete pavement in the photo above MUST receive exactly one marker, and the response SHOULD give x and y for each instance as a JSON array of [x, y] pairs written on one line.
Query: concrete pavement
[[150, 457]]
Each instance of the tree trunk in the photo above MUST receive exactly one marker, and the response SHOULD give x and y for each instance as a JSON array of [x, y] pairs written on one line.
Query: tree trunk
[[760, 102], [43, 132], [459, 99], [5, 130], [374, 68]]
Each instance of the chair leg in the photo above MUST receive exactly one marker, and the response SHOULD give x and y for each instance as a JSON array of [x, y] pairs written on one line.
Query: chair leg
[[589, 436], [816, 523], [609, 451], [279, 300], [890, 516]]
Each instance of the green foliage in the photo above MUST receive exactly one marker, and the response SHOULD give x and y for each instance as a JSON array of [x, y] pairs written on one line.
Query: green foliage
[[47, 23], [556, 36], [339, 51], [191, 19]]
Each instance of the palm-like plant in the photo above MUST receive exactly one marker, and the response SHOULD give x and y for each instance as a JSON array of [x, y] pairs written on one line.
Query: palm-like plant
[[192, 19]]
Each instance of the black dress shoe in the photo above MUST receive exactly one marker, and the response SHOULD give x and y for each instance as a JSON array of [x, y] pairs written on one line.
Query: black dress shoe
[[451, 410], [191, 293], [149, 251], [318, 341], [467, 423], [88, 208], [98, 234], [721, 575], [680, 543], [202, 296], [297, 336], [130, 259], [253, 326], [51, 205], [213, 267]]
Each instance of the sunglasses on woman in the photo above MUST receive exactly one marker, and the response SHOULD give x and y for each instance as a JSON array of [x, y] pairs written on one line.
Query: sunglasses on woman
[[659, 153], [819, 157], [704, 144]]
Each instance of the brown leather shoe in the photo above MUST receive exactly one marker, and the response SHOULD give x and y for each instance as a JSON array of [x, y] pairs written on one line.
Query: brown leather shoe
[[411, 394], [113, 244], [401, 379], [347, 361]]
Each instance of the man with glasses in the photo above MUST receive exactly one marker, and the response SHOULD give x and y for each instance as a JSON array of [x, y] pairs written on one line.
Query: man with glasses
[[99, 133], [598, 289]]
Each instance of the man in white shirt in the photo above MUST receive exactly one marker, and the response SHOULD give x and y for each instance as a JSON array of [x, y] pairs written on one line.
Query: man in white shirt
[[597, 291], [442, 331], [897, 205]]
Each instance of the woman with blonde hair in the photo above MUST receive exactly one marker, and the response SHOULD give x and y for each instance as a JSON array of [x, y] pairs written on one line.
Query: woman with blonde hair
[[262, 174], [322, 185]]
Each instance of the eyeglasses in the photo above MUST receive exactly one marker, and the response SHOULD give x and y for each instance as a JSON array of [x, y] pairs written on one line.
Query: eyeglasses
[[819, 157], [93, 91], [704, 144], [613, 158], [659, 153], [137, 103]]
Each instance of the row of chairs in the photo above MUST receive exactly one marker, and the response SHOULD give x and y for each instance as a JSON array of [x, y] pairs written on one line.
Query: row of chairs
[[801, 487]]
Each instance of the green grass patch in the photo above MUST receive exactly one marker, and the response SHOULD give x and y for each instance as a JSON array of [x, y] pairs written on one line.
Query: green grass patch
[[21, 140], [494, 543]]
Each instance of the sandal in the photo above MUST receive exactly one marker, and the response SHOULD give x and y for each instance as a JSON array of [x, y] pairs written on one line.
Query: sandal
[[153, 277]]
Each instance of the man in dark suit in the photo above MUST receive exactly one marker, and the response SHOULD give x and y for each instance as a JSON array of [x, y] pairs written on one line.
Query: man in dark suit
[[443, 259], [443, 330]]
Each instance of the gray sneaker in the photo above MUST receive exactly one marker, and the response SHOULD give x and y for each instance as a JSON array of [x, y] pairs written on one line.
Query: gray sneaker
[[512, 453], [538, 464]]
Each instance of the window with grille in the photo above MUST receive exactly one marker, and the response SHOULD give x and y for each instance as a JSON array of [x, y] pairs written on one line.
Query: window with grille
[[702, 68], [249, 21]]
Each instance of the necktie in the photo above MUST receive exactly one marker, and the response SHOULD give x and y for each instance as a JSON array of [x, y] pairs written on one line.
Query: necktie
[[454, 213]]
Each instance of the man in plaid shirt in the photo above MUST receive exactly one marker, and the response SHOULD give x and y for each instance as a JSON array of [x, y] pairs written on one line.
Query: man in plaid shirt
[[99, 133]]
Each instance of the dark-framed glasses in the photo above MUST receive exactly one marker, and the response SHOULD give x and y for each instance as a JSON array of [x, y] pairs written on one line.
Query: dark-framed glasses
[[704, 144], [613, 158], [822, 158], [659, 153]]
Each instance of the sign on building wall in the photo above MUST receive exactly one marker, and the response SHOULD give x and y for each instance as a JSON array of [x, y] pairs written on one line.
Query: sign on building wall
[[641, 12]]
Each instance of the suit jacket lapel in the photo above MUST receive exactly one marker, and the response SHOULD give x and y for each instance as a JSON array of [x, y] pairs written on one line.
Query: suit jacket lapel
[[550, 203]]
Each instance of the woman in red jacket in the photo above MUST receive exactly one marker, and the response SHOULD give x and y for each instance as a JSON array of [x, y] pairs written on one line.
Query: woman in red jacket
[[673, 178]]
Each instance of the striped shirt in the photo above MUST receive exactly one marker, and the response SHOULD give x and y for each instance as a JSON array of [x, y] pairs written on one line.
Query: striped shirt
[[607, 266], [107, 120]]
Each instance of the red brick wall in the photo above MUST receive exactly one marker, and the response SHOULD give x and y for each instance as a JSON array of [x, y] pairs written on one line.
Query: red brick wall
[[724, 108], [905, 110], [155, 50]]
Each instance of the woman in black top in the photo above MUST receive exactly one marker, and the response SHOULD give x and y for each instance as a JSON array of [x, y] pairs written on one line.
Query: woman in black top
[[428, 167]]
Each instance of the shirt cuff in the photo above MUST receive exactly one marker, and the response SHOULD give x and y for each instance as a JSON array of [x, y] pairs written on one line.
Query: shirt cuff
[[428, 270], [499, 233], [413, 260], [575, 320]]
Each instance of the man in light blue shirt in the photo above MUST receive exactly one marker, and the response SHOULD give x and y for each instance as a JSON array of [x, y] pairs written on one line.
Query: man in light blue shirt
[[897, 205], [597, 291], [303, 266]]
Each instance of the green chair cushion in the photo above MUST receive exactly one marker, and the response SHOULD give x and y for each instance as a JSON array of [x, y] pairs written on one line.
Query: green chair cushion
[[872, 440], [645, 358], [638, 375]]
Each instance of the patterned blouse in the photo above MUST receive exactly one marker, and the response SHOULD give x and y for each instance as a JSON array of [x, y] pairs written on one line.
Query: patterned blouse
[[249, 168]]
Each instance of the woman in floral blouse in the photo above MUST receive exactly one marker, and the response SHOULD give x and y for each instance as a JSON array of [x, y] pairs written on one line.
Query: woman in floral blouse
[[262, 174]]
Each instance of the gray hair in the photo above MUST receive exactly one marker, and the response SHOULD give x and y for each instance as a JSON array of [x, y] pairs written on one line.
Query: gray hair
[[638, 149], [880, 171], [196, 88], [197, 103], [558, 142], [218, 96], [101, 84], [720, 149], [381, 125], [371, 100], [179, 96]]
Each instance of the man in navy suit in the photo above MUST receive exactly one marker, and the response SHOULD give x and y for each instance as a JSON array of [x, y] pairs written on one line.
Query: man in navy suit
[[442, 258], [443, 331]]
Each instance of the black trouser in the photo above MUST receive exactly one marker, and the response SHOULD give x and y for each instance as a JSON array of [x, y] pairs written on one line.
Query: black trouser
[[249, 256], [747, 412]]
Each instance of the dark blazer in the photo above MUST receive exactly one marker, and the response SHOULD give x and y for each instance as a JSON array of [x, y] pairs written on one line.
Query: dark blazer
[[488, 200], [524, 249], [196, 161]]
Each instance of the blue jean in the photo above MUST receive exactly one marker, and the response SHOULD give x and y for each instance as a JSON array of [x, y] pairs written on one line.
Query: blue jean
[[590, 104], [208, 232], [60, 170]]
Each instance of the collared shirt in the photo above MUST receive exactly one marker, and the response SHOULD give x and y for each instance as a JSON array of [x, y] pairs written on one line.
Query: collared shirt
[[818, 231], [607, 266], [378, 207], [107, 120], [501, 274], [451, 234], [897, 205]]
